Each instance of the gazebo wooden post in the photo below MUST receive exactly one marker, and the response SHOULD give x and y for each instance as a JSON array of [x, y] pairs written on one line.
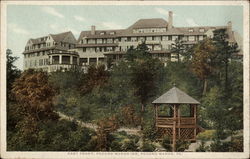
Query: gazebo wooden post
[[179, 122], [195, 118], [174, 130], [155, 114]]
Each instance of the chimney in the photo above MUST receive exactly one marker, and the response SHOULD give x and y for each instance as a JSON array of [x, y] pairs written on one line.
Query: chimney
[[92, 30], [170, 19]]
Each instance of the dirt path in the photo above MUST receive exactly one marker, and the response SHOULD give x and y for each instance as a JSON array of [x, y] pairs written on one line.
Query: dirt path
[[131, 131]]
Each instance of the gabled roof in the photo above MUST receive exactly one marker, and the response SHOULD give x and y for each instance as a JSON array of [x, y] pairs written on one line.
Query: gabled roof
[[98, 32], [150, 23], [61, 36], [175, 96]]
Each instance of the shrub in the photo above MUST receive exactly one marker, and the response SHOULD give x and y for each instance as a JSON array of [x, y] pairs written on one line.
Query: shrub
[[202, 147], [166, 143], [149, 132], [206, 135], [116, 146], [129, 145], [182, 145], [148, 147]]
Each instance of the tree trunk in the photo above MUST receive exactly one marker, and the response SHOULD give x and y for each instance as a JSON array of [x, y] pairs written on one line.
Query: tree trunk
[[226, 78], [142, 113], [204, 87]]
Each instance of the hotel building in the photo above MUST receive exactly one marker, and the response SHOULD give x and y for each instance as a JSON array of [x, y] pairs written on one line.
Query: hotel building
[[96, 47]]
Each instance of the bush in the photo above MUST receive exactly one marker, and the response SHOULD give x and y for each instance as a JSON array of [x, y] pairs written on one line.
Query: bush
[[202, 147], [147, 147], [182, 145], [116, 146], [149, 132], [166, 143], [206, 135], [129, 145]]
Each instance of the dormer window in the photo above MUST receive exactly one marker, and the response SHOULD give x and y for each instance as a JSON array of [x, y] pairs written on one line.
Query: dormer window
[[190, 30], [112, 33], [201, 30], [102, 33]]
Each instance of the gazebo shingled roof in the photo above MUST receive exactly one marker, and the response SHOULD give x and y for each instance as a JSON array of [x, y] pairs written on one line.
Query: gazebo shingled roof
[[175, 96]]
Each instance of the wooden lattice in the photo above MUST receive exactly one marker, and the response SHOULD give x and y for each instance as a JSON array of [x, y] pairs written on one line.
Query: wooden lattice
[[161, 132], [186, 133]]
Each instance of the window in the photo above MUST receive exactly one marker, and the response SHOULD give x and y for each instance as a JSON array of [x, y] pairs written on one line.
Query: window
[[149, 38], [157, 38], [201, 37], [201, 29], [99, 41], [164, 38], [102, 33], [83, 61], [75, 60], [191, 38], [109, 40], [170, 37], [112, 33], [190, 30], [40, 62]]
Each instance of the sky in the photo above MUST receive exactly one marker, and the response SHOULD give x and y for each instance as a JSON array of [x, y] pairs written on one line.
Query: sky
[[33, 21]]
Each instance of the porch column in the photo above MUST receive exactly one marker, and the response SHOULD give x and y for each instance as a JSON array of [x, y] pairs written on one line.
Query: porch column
[[71, 60], [50, 59], [60, 59], [78, 59]]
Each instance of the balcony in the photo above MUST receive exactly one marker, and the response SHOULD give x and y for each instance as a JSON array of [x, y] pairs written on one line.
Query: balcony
[[152, 41]]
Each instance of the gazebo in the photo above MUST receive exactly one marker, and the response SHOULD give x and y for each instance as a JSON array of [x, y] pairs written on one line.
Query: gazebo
[[176, 116]]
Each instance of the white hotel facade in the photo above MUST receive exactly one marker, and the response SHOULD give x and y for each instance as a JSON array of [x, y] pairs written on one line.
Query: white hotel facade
[[62, 51]]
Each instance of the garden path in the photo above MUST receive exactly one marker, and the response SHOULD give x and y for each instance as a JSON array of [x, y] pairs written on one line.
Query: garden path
[[131, 131]]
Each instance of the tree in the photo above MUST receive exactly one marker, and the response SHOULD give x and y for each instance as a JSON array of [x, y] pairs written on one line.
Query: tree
[[34, 97], [12, 71], [225, 51], [144, 74], [96, 76], [178, 48], [12, 74], [203, 61]]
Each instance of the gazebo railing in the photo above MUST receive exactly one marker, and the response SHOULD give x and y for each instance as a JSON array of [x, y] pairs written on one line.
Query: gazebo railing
[[165, 121]]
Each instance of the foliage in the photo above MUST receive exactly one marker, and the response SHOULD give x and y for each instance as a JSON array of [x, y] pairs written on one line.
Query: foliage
[[12, 71], [53, 136], [181, 145], [206, 135], [225, 52], [96, 76], [12, 74], [166, 143], [149, 132], [202, 147], [35, 95], [130, 145], [202, 62], [128, 116], [105, 127], [178, 48], [148, 147]]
